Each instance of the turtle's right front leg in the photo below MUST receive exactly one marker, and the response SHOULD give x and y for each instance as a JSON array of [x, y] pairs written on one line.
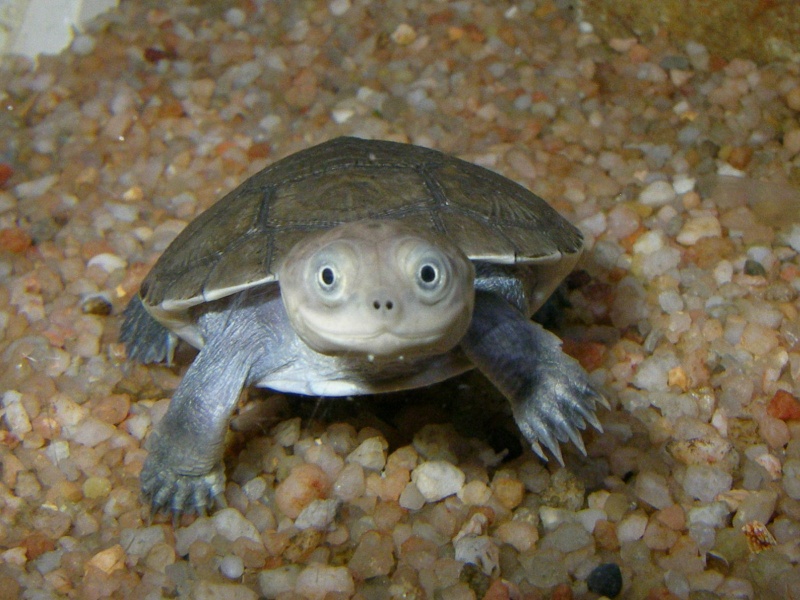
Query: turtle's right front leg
[[184, 471]]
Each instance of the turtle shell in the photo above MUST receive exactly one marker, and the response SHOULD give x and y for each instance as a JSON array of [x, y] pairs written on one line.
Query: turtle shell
[[240, 241]]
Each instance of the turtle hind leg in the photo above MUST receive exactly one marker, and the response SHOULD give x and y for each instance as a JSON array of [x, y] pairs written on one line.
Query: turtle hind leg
[[550, 393], [146, 340]]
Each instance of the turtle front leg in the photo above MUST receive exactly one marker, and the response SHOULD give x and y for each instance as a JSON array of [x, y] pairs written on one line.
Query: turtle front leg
[[183, 471], [550, 393]]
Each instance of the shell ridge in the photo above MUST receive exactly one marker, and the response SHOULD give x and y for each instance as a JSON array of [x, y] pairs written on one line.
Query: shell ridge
[[441, 202]]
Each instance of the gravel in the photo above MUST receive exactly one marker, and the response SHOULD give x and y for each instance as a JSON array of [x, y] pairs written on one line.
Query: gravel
[[683, 171]]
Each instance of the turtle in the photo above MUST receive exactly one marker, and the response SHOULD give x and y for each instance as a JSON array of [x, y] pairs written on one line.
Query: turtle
[[355, 267]]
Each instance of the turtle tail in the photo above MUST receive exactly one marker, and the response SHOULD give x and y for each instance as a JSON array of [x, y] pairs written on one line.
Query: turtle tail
[[146, 340]]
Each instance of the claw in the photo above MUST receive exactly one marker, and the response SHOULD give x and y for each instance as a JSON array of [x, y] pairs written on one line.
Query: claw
[[556, 451], [591, 417], [537, 449], [551, 443], [575, 437]]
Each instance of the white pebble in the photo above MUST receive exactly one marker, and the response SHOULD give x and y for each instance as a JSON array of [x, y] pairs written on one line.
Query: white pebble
[[759, 505], [231, 566], [201, 530], [270, 122], [699, 227], [683, 184], [16, 416], [478, 550], [437, 479], [319, 514], [794, 238], [108, 262], [127, 213], [342, 115], [705, 482], [91, 432], [404, 34], [589, 517], [648, 242], [670, 301], [286, 433], [632, 527], [652, 373], [653, 489], [723, 272], [230, 524], [316, 581], [411, 498], [57, 451], [370, 454], [659, 262], [657, 193], [235, 17], [339, 7], [138, 542], [83, 45], [791, 478], [35, 188], [350, 483], [255, 488], [713, 514], [276, 581]]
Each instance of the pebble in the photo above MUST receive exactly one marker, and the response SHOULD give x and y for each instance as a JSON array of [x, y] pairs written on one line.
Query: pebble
[[205, 590], [404, 34], [139, 542], [606, 580], [279, 580], [631, 528], [319, 514], [791, 478], [35, 188], [698, 227], [232, 525], [305, 483], [231, 566], [705, 482], [568, 537], [107, 261], [316, 581], [373, 557], [370, 454], [478, 550], [791, 142], [657, 193], [653, 489], [91, 432], [339, 7], [16, 417], [437, 479]]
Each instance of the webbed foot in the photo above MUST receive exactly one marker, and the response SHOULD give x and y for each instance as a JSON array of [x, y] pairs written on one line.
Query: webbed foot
[[551, 395], [560, 401], [168, 490]]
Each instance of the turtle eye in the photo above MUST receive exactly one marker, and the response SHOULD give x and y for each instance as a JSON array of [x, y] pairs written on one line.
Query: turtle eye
[[428, 276], [326, 277]]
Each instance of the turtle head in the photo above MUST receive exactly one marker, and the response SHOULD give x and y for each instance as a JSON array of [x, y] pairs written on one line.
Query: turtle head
[[378, 289]]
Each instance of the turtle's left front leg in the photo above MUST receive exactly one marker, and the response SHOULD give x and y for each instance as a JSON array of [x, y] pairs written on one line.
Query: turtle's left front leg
[[550, 393], [183, 471]]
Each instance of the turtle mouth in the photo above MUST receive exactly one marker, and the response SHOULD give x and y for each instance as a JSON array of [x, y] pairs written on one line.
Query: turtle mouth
[[384, 344]]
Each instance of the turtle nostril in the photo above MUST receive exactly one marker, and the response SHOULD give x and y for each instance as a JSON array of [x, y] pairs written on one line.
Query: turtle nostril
[[377, 304]]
